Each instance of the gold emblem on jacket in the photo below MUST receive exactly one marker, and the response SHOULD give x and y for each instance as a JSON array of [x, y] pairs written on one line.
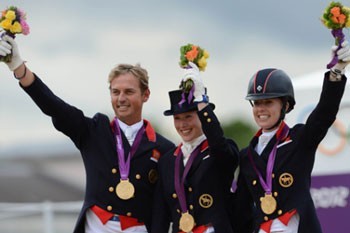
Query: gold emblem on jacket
[[206, 201], [153, 176], [286, 180]]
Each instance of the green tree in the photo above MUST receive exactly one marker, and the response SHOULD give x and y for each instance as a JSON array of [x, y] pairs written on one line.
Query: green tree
[[240, 131]]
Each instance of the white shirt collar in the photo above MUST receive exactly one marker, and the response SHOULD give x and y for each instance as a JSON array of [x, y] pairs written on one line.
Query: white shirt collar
[[133, 129], [188, 147], [264, 139]]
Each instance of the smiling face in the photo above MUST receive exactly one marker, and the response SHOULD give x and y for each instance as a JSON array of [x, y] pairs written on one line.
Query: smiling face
[[267, 112], [127, 98], [188, 126]]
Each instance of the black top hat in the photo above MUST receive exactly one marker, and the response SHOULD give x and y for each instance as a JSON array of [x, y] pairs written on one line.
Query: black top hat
[[178, 106]]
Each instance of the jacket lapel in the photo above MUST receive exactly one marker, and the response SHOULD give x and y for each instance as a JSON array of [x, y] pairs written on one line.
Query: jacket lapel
[[148, 141]]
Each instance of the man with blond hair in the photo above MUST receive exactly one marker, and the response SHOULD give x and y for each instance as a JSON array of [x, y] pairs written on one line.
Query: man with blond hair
[[120, 156]]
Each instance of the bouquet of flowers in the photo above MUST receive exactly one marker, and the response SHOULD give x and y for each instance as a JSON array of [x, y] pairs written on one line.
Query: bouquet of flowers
[[195, 54], [13, 21], [336, 17]]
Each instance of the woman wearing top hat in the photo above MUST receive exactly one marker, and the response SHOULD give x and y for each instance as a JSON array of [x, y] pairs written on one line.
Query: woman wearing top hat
[[195, 178], [273, 193]]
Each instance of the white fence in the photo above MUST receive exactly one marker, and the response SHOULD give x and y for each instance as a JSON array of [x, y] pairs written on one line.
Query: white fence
[[45, 217]]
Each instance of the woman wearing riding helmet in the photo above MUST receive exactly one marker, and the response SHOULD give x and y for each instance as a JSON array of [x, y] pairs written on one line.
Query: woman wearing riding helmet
[[273, 188]]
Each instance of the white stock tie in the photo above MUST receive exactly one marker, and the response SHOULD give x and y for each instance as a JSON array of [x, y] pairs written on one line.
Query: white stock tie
[[264, 139], [128, 134]]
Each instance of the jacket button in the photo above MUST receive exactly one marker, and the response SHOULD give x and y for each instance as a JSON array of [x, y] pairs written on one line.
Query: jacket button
[[275, 194], [111, 189], [205, 114], [279, 212], [109, 208], [177, 210], [138, 176], [254, 182], [209, 120], [191, 207], [114, 170], [128, 214], [190, 189], [174, 195], [266, 218]]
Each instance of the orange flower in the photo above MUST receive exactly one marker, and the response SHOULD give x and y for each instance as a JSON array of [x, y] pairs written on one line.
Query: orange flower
[[337, 16], [192, 54], [335, 11]]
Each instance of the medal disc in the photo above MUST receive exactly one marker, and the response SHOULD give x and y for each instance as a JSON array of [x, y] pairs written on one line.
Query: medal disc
[[186, 223], [268, 204], [125, 190]]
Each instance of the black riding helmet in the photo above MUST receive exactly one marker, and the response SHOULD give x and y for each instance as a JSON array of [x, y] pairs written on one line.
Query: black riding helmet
[[271, 83]]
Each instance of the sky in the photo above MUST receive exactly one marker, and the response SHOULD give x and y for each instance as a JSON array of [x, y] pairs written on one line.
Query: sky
[[73, 45]]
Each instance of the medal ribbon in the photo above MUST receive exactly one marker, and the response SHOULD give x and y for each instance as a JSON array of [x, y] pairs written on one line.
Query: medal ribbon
[[189, 97], [179, 184], [124, 166], [267, 186]]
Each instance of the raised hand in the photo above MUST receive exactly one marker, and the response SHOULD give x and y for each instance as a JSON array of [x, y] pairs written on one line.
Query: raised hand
[[193, 74], [8, 46]]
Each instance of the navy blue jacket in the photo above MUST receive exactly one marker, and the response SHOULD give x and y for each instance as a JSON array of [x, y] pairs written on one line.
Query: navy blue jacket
[[95, 140], [294, 162], [207, 185]]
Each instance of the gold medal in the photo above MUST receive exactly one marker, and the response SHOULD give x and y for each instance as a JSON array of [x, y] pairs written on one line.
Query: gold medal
[[186, 223], [125, 190], [268, 204]]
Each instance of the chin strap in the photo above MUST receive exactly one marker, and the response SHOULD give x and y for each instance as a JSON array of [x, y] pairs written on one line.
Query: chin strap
[[282, 115]]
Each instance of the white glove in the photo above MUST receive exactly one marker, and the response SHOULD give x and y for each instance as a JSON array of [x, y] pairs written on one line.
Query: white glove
[[5, 48], [7, 44], [199, 89], [343, 56]]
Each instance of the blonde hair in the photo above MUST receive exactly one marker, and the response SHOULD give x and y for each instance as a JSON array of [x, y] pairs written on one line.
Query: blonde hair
[[136, 70]]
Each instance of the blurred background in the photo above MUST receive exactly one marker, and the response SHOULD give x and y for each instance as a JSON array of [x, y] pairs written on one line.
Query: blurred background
[[74, 44]]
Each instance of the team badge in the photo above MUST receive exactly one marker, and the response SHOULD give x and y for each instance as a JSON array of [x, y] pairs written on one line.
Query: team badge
[[286, 180], [206, 201], [153, 176]]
